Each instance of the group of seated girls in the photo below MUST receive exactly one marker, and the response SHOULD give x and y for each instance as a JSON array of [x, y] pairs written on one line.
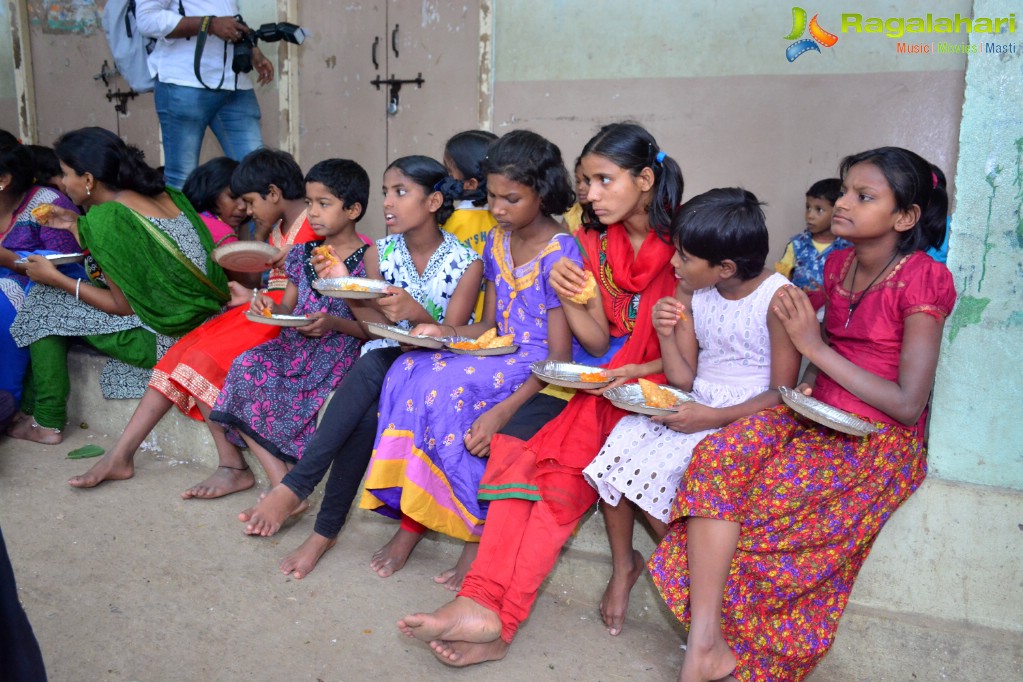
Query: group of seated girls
[[763, 516]]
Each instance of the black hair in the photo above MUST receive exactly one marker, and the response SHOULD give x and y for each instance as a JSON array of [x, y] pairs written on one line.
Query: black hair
[[532, 160], [45, 163], [345, 179], [828, 189], [631, 147], [204, 184], [467, 150], [109, 159], [429, 174], [913, 181], [727, 223], [16, 159], [264, 167]]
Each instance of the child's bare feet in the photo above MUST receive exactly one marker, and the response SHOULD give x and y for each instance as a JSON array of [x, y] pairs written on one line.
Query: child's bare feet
[[303, 560], [707, 659], [614, 606], [27, 429], [108, 468], [270, 513], [460, 654], [453, 577], [459, 619], [224, 481], [390, 558]]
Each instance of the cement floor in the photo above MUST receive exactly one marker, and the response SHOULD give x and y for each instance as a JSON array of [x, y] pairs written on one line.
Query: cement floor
[[129, 582]]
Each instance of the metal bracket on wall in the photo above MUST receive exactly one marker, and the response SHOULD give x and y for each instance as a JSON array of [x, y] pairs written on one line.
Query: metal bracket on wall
[[122, 100], [395, 85]]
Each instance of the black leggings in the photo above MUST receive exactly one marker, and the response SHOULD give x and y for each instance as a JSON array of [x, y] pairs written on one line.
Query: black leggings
[[343, 441]]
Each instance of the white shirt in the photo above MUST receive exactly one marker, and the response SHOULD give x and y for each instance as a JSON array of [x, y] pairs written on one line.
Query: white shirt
[[173, 59]]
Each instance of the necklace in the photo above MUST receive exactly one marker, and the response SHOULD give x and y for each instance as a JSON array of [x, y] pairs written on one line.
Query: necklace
[[853, 305]]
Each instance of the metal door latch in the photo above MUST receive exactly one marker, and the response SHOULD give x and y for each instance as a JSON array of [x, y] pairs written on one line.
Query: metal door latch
[[395, 85]]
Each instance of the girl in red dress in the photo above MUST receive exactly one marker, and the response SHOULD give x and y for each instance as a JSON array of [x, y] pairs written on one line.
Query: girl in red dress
[[776, 513]]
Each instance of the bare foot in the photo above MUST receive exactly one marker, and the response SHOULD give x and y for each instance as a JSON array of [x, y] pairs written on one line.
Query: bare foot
[[707, 661], [272, 510], [459, 619], [27, 429], [18, 418], [460, 654], [390, 558], [303, 560], [615, 604], [224, 481], [453, 577], [108, 468]]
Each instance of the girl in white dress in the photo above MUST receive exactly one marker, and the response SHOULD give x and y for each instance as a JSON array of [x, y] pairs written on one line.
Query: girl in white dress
[[731, 353]]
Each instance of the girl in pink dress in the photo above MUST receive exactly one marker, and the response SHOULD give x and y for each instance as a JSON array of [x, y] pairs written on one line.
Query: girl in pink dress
[[776, 513]]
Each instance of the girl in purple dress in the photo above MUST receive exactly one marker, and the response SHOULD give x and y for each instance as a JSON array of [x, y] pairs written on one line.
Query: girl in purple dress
[[439, 410], [274, 391]]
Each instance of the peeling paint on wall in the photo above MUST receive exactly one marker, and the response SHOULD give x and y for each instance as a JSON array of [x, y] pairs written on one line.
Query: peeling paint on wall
[[66, 16]]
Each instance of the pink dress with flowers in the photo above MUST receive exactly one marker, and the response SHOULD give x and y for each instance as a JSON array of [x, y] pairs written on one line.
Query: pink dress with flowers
[[810, 500]]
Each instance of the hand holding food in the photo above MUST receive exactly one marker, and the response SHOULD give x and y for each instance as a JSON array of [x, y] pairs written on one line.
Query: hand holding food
[[589, 290], [327, 264]]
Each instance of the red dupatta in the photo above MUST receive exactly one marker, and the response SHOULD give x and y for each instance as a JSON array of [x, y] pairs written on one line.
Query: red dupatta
[[549, 465]]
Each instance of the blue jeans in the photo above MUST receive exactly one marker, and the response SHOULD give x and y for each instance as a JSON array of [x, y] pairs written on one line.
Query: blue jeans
[[186, 112]]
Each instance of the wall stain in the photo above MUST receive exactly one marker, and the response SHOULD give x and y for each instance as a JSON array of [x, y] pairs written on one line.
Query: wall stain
[[968, 311], [66, 16], [331, 61]]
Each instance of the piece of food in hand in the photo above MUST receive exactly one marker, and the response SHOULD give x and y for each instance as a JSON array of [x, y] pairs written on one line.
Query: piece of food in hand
[[267, 312], [589, 290], [592, 377], [657, 396], [42, 213], [682, 315], [327, 252]]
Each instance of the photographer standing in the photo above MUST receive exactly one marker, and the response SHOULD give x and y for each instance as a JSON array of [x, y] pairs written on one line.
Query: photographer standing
[[196, 85]]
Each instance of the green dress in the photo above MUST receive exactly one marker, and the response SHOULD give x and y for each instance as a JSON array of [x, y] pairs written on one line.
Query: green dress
[[164, 268]]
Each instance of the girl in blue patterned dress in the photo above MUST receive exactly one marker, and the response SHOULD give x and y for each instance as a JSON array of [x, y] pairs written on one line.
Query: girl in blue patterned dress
[[439, 410], [273, 392]]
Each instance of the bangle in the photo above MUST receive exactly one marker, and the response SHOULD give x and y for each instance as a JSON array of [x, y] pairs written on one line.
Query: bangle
[[78, 288]]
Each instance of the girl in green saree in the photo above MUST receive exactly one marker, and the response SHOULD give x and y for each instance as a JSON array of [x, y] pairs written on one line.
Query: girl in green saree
[[151, 279]]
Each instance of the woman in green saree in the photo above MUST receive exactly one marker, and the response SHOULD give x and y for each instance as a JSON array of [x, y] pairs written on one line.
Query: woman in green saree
[[151, 279]]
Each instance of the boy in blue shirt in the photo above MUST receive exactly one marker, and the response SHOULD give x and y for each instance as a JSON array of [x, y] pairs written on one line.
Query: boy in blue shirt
[[803, 260]]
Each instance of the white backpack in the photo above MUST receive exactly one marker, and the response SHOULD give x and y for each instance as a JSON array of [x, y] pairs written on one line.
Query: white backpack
[[128, 46]]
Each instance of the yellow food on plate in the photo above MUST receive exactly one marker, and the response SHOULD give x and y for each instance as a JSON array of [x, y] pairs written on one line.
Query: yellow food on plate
[[589, 290], [354, 287], [592, 377], [42, 213], [657, 396], [498, 342], [267, 312], [465, 345], [487, 337]]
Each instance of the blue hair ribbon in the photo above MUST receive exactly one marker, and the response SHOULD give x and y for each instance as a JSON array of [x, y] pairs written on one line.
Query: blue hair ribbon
[[660, 157]]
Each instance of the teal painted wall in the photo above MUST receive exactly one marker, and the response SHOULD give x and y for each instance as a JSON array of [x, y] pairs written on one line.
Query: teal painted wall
[[977, 420]]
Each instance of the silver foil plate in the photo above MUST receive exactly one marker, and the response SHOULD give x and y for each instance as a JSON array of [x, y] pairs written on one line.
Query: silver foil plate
[[825, 414], [57, 258], [280, 320], [335, 287], [566, 374], [481, 352], [630, 397], [388, 331]]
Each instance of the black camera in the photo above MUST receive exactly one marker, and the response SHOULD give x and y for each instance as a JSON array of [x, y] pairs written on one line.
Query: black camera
[[270, 33]]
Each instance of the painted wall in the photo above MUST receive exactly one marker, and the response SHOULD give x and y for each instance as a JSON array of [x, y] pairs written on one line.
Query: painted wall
[[8, 101], [976, 430], [712, 82]]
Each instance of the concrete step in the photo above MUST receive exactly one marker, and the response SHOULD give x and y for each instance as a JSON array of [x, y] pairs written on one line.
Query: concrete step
[[914, 614]]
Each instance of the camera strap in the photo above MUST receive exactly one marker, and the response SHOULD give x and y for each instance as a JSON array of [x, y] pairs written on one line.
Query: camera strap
[[200, 44]]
